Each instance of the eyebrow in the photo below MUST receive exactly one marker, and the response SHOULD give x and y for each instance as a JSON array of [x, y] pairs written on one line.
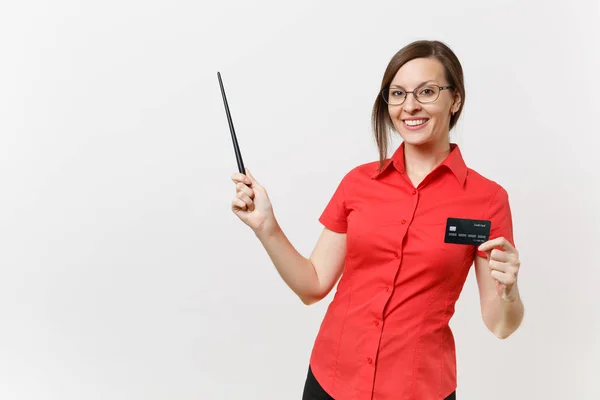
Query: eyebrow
[[419, 85]]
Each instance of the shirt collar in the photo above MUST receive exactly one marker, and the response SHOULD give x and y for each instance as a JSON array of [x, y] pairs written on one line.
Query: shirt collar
[[454, 162]]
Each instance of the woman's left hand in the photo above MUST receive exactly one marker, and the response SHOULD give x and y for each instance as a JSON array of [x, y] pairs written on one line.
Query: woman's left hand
[[504, 266]]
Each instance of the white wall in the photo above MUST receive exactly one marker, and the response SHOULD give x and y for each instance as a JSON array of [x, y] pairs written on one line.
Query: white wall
[[123, 273]]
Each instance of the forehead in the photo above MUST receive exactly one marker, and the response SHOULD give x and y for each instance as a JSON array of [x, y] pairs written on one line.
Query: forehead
[[417, 71]]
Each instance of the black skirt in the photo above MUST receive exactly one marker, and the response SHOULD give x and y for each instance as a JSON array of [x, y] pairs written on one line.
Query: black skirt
[[314, 391]]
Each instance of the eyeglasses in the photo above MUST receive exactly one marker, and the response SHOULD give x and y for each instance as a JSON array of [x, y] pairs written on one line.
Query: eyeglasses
[[424, 94]]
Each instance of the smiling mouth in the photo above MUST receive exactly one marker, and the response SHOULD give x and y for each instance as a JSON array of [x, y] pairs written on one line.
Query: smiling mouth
[[415, 123]]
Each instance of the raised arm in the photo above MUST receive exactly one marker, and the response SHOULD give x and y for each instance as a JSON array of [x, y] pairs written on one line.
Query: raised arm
[[310, 278]]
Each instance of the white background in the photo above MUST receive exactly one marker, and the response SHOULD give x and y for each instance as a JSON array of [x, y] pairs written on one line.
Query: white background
[[123, 272]]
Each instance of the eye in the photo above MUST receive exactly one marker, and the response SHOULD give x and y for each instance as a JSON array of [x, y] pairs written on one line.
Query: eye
[[397, 93]]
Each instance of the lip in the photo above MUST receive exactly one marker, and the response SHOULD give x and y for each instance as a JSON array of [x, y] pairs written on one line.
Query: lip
[[414, 128]]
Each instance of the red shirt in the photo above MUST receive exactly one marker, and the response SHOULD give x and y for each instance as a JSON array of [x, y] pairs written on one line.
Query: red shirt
[[385, 335]]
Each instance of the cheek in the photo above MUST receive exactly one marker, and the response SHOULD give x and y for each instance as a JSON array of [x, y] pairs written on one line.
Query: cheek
[[439, 112], [394, 112]]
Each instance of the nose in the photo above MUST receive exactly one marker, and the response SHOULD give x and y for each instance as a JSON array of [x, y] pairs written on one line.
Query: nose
[[411, 104]]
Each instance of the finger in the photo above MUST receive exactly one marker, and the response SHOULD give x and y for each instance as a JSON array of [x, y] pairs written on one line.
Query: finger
[[246, 199], [490, 244], [238, 204], [506, 279], [252, 180], [499, 242], [498, 266], [507, 270], [509, 259], [500, 255], [240, 187], [237, 177]]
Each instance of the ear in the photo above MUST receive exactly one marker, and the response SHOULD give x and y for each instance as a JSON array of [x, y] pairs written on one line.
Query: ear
[[457, 103]]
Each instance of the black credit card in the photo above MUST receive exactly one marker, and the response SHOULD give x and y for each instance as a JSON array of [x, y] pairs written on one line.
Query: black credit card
[[467, 231]]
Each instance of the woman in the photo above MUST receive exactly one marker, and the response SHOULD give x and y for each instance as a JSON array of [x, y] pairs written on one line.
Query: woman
[[385, 335]]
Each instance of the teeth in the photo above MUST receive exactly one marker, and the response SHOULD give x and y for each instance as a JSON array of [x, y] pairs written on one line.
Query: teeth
[[415, 122]]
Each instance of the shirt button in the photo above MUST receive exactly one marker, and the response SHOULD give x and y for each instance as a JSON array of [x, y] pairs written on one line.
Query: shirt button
[[376, 323], [387, 288], [396, 254], [414, 192], [403, 221], [370, 360]]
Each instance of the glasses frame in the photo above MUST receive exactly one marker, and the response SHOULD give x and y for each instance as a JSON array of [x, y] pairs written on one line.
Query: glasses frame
[[406, 92]]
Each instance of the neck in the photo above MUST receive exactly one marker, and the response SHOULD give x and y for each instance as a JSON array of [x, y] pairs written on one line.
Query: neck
[[421, 160]]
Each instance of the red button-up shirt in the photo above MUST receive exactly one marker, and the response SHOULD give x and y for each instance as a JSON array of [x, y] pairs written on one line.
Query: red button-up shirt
[[385, 335]]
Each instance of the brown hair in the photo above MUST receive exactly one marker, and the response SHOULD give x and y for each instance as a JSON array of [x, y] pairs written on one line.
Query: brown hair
[[381, 121]]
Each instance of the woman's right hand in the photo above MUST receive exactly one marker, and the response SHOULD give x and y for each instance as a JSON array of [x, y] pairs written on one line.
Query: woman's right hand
[[251, 203]]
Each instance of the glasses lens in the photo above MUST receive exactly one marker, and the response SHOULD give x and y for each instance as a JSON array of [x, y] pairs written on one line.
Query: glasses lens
[[427, 94], [394, 96]]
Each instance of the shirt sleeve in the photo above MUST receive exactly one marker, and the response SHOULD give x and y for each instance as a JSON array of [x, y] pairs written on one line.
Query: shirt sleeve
[[499, 213], [334, 216]]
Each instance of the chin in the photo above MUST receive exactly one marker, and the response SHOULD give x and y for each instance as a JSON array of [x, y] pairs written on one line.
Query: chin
[[416, 139]]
